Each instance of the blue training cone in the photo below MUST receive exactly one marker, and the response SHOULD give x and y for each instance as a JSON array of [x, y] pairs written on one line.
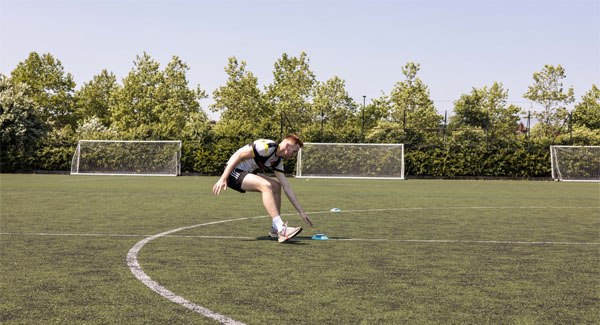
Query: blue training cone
[[320, 237], [335, 210]]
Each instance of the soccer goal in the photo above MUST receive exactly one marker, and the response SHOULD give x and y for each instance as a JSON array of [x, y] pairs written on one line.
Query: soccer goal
[[351, 160], [128, 158], [575, 163]]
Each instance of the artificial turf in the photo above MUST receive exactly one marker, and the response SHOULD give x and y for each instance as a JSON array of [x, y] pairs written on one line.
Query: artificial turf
[[414, 251]]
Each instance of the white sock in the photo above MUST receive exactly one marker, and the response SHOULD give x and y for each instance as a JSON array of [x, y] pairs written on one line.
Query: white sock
[[277, 223]]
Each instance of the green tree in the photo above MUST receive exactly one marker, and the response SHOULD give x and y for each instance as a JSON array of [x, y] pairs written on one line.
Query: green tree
[[154, 104], [291, 91], [333, 112], [95, 98], [587, 112], [486, 109], [240, 100], [136, 102], [181, 102], [21, 126], [410, 110], [379, 109], [93, 129], [378, 125], [410, 101], [547, 90], [50, 87]]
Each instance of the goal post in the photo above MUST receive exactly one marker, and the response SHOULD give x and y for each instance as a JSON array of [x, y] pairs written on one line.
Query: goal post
[[351, 160], [127, 158], [575, 163]]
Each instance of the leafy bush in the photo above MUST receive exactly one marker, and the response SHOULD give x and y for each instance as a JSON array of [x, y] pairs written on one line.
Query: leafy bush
[[521, 163]]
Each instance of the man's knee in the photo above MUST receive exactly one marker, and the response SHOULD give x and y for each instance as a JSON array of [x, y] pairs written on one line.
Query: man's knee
[[273, 187]]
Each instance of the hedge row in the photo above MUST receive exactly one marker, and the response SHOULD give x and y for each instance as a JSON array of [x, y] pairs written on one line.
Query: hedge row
[[519, 163], [431, 162]]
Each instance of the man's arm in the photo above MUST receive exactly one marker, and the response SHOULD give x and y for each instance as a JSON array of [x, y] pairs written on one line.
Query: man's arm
[[289, 192], [239, 156]]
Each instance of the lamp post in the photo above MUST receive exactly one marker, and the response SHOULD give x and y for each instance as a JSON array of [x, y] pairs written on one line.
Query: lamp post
[[363, 118]]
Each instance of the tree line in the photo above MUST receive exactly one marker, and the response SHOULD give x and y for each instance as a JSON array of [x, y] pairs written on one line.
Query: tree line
[[43, 115]]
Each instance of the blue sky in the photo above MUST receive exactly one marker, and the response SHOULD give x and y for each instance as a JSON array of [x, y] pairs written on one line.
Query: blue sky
[[459, 44]]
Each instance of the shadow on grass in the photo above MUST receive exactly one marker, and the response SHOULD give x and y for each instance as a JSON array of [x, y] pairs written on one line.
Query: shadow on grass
[[296, 239]]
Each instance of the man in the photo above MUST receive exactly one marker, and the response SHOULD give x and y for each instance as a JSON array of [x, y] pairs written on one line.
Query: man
[[241, 175]]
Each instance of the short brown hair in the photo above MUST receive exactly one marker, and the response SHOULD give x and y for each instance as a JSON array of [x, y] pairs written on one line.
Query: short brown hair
[[295, 138]]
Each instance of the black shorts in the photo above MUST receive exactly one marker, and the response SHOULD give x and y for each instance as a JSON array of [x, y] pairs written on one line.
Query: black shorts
[[235, 180]]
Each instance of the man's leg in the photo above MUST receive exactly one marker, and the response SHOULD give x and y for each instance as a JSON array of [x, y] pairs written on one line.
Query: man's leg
[[270, 190], [271, 196], [276, 187]]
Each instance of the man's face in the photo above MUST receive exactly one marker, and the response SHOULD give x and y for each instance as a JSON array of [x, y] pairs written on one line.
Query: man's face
[[289, 150]]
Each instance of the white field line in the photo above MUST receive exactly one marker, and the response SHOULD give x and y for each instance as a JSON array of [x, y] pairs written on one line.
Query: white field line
[[452, 208], [96, 178], [137, 271], [456, 241], [118, 235], [448, 241]]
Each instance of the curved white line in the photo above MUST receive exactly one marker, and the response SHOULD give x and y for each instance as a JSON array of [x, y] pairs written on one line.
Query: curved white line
[[137, 271]]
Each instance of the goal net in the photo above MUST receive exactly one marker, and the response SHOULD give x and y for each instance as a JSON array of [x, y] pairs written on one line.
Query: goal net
[[351, 160], [575, 163], [114, 157]]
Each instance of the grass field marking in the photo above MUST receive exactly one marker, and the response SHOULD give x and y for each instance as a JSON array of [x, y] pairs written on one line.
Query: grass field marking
[[144, 278], [457, 241], [97, 179], [450, 241], [73, 235], [118, 235], [137, 271], [448, 208]]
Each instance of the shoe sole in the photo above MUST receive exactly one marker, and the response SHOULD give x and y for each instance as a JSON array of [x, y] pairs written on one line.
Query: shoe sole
[[273, 234], [291, 236]]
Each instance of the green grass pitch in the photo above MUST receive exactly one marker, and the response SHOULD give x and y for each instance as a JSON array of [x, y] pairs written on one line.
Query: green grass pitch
[[415, 251]]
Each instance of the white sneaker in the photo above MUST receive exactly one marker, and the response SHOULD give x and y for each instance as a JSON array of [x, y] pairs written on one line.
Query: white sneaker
[[273, 233], [288, 233]]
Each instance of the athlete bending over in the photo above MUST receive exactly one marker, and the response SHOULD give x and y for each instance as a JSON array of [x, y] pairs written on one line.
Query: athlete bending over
[[241, 174]]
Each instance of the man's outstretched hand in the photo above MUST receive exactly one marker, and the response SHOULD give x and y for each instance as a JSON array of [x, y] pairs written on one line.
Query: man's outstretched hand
[[307, 219], [219, 185]]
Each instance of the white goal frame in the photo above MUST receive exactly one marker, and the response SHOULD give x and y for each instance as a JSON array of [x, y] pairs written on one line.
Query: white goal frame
[[176, 159], [299, 162], [557, 174]]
